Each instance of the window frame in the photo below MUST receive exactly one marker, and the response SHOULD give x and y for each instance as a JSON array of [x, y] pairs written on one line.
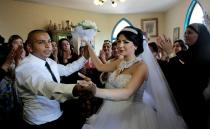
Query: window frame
[[116, 25], [190, 11]]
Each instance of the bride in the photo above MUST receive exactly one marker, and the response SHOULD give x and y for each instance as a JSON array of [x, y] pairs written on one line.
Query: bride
[[132, 78]]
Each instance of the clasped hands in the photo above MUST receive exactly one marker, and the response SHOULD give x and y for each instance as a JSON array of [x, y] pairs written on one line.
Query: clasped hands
[[84, 87]]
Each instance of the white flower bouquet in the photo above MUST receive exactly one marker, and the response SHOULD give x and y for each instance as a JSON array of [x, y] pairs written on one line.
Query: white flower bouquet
[[84, 30], [87, 24]]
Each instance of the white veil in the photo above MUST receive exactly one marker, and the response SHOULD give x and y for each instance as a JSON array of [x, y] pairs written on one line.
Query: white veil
[[157, 94]]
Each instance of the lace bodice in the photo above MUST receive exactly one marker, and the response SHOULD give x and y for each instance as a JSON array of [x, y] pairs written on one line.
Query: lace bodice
[[120, 81]]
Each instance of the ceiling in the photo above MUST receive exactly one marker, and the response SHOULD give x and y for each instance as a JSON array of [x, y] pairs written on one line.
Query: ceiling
[[129, 6]]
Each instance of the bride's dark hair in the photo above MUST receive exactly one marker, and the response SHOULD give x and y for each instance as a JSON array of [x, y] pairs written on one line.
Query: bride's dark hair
[[135, 35]]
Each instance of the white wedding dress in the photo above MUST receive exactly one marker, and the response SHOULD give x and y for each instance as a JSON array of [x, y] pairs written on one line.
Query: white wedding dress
[[151, 107], [129, 114]]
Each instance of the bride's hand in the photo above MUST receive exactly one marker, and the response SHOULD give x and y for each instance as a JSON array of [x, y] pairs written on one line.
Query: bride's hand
[[86, 43], [90, 86], [86, 53]]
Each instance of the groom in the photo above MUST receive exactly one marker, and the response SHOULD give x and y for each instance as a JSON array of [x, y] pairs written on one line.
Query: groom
[[39, 87]]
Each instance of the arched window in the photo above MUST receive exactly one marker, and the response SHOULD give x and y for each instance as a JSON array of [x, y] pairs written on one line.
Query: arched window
[[119, 26], [194, 14]]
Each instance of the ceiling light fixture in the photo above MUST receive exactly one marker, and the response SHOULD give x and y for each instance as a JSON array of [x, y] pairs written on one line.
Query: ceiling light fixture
[[113, 2]]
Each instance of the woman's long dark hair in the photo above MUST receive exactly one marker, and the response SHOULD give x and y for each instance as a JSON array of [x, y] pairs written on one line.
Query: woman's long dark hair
[[12, 38], [61, 54]]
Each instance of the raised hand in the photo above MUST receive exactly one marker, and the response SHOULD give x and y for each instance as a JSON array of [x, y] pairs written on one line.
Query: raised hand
[[166, 45]]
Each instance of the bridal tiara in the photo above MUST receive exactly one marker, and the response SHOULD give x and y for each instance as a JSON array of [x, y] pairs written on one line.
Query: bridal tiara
[[130, 30]]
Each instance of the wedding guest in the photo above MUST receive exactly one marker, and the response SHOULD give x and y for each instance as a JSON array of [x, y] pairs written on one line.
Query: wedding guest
[[154, 49], [115, 52], [179, 45], [13, 55], [7, 63], [15, 41], [105, 53], [54, 54], [115, 55], [9, 105], [189, 79], [26, 48], [66, 53]]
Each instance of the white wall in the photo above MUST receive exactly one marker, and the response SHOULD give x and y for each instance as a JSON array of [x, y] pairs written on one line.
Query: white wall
[[175, 17], [206, 5], [19, 18]]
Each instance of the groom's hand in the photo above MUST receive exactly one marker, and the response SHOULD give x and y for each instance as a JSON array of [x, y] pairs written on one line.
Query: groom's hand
[[83, 89], [87, 84], [79, 90], [87, 87]]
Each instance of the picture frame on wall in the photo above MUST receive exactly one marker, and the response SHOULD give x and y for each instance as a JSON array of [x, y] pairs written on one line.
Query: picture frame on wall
[[176, 32], [150, 26]]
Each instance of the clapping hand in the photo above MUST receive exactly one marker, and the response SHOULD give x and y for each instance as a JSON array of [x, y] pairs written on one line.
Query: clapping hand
[[165, 43]]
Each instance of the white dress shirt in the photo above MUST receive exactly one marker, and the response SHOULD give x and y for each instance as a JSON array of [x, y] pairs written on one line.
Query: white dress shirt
[[39, 93]]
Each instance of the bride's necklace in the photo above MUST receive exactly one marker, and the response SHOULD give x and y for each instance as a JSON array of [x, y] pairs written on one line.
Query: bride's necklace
[[126, 64]]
